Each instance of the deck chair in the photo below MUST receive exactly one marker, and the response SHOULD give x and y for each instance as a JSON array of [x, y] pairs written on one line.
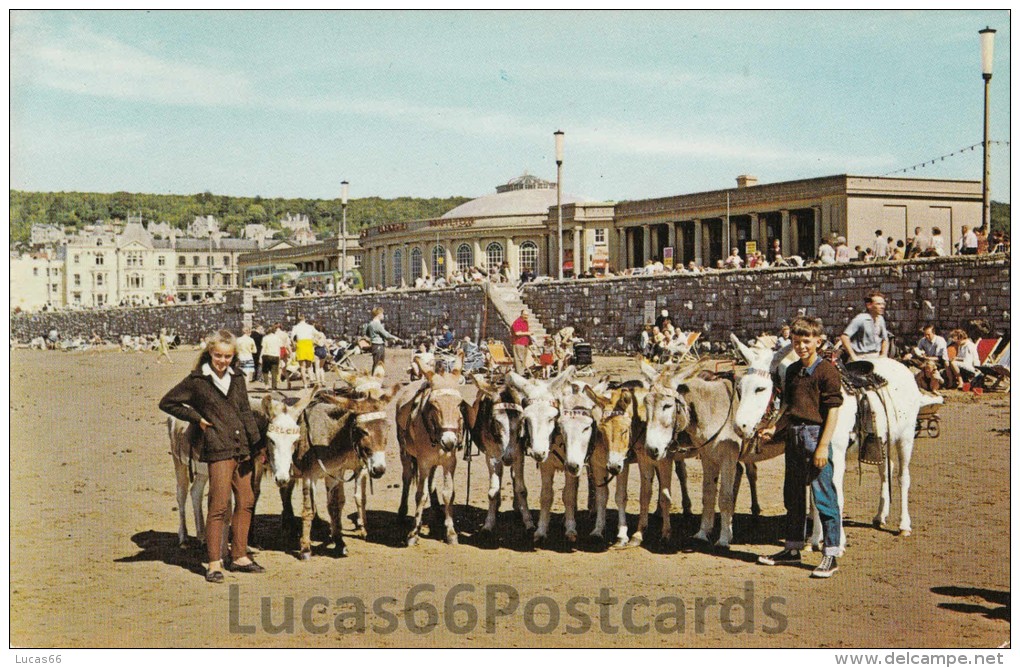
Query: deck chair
[[996, 368], [688, 351], [985, 348], [500, 362]]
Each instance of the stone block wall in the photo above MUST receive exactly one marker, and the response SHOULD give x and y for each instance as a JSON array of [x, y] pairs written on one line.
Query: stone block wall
[[610, 313], [407, 313], [190, 321]]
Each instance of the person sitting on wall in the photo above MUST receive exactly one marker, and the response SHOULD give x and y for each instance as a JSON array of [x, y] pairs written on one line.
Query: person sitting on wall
[[826, 253], [445, 341], [734, 261]]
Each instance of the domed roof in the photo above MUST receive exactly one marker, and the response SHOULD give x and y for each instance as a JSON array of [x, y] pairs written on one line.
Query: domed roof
[[524, 195]]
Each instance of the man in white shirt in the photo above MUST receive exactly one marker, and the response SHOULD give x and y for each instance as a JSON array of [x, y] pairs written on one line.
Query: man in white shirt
[[826, 253], [880, 247], [969, 243]]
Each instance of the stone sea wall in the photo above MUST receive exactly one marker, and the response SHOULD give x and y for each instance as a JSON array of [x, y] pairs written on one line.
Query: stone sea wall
[[608, 312]]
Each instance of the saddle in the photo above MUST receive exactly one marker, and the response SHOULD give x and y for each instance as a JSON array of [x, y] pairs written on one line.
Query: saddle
[[858, 379]]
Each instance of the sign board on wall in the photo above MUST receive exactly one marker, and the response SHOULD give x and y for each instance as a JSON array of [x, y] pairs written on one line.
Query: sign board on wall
[[667, 257], [649, 312], [750, 247]]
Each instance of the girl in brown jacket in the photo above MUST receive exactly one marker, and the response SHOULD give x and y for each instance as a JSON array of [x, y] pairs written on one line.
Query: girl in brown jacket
[[214, 399]]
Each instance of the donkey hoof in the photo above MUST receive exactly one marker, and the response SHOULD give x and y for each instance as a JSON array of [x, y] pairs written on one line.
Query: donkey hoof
[[877, 524], [451, 539], [904, 533], [538, 539], [571, 537], [305, 556], [361, 533]]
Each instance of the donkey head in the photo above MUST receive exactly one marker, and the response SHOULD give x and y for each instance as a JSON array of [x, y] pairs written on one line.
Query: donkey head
[[445, 410], [666, 408], [576, 423], [541, 407], [755, 388], [615, 423], [500, 408], [369, 428], [282, 433]]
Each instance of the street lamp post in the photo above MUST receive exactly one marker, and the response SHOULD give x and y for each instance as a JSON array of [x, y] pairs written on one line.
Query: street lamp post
[[343, 234], [987, 49], [558, 135]]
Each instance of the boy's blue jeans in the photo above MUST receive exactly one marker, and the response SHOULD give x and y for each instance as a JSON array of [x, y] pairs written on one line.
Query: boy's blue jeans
[[800, 471]]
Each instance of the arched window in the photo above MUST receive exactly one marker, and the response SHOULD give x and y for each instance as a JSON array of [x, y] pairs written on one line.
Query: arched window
[[416, 264], [465, 257], [529, 256], [438, 261], [398, 267], [494, 255]]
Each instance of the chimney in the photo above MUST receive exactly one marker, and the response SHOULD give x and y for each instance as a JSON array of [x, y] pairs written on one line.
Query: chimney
[[746, 180]]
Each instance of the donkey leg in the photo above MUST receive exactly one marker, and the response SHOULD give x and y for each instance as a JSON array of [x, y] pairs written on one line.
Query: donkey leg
[[546, 501], [621, 506], [361, 501], [664, 473], [521, 492], [449, 492], [570, 507], [752, 485], [601, 502], [495, 483], [406, 471], [419, 507], [709, 493], [183, 485], [727, 500], [197, 490], [905, 450], [335, 504], [685, 496], [883, 498], [644, 497], [307, 515]]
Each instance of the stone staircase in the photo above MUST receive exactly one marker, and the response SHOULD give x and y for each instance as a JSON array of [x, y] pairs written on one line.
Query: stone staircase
[[509, 303]]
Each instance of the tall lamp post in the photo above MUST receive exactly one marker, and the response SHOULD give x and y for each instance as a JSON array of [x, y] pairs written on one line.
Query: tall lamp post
[[343, 233], [987, 49], [558, 135]]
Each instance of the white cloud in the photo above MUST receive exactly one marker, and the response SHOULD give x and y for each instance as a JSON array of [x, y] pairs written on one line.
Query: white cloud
[[80, 61]]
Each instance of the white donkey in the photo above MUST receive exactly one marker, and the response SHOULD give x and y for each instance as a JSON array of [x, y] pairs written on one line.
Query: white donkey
[[494, 421], [894, 407], [689, 416], [278, 425], [539, 421]]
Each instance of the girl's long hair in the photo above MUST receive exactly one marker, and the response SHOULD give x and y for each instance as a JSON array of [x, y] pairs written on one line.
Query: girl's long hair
[[223, 336]]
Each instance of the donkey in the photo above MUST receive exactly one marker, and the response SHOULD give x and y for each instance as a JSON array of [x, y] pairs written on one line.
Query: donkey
[[542, 404], [618, 431], [277, 426], [340, 435], [894, 408], [690, 416], [430, 429], [494, 421]]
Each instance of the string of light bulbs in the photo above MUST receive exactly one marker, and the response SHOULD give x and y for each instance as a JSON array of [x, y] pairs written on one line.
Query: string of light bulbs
[[932, 161]]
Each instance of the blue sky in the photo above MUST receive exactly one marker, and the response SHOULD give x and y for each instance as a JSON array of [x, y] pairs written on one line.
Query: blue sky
[[425, 104]]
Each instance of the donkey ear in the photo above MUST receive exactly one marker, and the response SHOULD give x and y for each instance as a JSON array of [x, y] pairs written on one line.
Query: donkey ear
[[559, 381], [600, 399], [390, 393], [483, 385], [648, 371], [639, 394], [344, 403], [520, 383], [745, 352]]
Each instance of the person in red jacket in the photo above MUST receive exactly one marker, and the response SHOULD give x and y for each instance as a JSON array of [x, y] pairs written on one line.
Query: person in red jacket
[[214, 399]]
